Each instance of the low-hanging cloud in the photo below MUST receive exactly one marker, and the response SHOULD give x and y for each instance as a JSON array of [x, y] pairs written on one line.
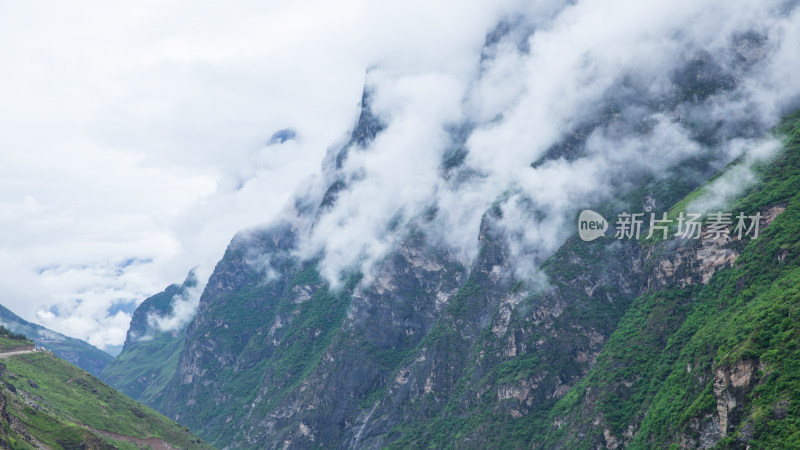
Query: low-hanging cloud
[[657, 82], [136, 136], [134, 141], [719, 193], [181, 311]]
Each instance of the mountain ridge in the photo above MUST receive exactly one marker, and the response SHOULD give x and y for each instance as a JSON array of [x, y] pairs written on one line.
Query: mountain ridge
[[421, 348], [45, 402], [148, 348], [76, 351], [594, 284]]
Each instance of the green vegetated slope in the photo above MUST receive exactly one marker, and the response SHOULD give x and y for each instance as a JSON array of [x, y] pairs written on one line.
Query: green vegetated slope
[[706, 365], [47, 402], [149, 356], [430, 353], [528, 346], [76, 351], [281, 341], [143, 370]]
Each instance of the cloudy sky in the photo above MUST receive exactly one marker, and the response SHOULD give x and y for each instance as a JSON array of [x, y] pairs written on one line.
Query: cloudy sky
[[650, 84], [133, 142], [134, 135]]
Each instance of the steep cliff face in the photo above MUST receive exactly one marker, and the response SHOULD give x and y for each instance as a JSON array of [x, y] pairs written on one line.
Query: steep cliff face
[[502, 351], [706, 357], [150, 354], [612, 343], [370, 363]]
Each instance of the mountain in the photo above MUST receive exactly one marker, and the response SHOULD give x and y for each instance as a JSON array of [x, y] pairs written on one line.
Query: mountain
[[76, 351], [48, 403], [703, 360], [436, 353], [537, 338], [150, 354]]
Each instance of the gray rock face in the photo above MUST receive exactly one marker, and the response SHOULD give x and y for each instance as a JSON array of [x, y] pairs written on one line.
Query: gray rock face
[[426, 350], [490, 322], [276, 358], [148, 356], [423, 335], [732, 385]]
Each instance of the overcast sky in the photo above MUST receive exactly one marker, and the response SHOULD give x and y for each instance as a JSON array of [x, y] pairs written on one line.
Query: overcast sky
[[134, 134]]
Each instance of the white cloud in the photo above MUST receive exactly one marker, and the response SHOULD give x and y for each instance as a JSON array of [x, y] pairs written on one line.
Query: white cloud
[[134, 135], [527, 93], [133, 144], [183, 308], [719, 193]]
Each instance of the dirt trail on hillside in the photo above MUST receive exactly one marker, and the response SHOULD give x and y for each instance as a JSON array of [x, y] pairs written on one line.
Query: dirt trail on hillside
[[154, 443], [16, 352]]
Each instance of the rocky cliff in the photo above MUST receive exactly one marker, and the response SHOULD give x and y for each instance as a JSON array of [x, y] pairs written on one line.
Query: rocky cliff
[[431, 352], [609, 343], [150, 353]]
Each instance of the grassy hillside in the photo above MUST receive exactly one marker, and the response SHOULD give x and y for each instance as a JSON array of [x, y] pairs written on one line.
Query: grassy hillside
[[45, 401], [76, 351], [142, 370], [707, 365], [150, 355], [697, 349]]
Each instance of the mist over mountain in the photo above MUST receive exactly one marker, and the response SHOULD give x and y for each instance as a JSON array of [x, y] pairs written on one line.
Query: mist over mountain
[[595, 98], [429, 289], [403, 193]]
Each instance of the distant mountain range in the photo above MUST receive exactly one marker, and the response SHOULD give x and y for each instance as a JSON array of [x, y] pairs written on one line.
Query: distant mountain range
[[76, 351]]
